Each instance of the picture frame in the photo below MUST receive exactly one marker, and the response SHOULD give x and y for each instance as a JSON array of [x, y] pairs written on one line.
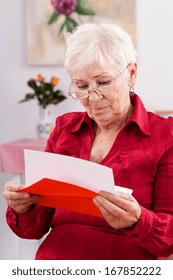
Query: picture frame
[[45, 46]]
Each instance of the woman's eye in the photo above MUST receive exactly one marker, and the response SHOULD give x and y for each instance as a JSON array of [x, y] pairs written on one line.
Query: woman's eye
[[103, 83], [82, 86]]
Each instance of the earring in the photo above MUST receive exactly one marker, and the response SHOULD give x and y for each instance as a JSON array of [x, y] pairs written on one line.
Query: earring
[[131, 91]]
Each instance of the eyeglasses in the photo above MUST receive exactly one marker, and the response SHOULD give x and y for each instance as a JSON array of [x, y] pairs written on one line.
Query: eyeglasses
[[103, 88]]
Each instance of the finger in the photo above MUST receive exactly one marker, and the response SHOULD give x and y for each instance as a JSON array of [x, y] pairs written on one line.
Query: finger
[[104, 211], [124, 195], [122, 200], [20, 202], [16, 196], [10, 203], [105, 205], [10, 191], [13, 186]]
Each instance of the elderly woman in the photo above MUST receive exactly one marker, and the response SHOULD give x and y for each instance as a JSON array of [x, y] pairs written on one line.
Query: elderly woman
[[116, 131]]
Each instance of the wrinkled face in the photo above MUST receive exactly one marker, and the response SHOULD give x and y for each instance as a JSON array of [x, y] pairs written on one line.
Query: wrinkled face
[[111, 107]]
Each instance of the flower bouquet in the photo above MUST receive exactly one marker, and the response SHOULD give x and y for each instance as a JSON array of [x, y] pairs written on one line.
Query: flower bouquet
[[45, 92]]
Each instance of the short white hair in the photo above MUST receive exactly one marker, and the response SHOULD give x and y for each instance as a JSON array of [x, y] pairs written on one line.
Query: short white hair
[[97, 43]]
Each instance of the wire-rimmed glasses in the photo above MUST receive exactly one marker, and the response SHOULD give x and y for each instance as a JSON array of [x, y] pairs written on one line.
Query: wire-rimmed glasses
[[80, 93]]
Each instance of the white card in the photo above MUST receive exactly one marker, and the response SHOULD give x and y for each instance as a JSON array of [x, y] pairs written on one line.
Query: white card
[[90, 175]]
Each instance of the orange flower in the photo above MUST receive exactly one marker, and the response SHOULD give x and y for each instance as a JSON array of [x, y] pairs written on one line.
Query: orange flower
[[40, 78], [45, 92], [54, 81]]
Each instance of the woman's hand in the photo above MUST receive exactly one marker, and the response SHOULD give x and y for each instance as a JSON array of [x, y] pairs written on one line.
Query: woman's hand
[[120, 210], [19, 201]]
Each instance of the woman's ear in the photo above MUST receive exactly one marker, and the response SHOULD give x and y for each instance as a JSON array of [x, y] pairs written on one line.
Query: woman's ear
[[132, 67]]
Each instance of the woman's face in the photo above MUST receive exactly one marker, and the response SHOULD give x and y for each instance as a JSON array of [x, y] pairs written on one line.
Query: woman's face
[[110, 108]]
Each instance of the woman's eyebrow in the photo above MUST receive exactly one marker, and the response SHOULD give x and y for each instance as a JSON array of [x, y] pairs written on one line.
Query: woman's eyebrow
[[78, 80], [96, 76], [101, 74]]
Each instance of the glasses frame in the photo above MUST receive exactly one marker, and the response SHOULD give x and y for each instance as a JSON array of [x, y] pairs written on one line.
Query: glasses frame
[[119, 76]]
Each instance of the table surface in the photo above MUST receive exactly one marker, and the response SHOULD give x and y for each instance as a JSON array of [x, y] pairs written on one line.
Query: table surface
[[12, 154]]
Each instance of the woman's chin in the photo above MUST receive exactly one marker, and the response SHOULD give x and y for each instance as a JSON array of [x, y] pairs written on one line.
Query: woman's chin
[[101, 118]]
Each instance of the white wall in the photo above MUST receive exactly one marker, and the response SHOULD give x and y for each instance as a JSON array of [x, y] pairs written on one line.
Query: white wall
[[155, 45], [154, 85]]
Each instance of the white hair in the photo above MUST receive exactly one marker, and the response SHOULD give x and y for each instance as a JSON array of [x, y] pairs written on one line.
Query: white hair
[[99, 43]]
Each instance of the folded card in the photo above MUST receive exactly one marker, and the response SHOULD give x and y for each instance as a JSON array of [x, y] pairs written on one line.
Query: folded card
[[67, 182]]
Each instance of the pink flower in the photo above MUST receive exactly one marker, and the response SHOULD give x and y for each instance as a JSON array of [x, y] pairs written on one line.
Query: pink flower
[[65, 7]]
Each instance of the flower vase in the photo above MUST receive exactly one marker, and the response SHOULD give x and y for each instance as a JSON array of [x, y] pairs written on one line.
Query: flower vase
[[45, 125]]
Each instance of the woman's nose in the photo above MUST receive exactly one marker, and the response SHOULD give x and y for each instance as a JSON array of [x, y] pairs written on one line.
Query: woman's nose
[[94, 95]]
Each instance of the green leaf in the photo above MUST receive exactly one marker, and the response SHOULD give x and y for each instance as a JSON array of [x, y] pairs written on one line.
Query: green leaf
[[80, 3], [48, 86], [31, 83], [61, 98], [58, 100], [62, 26], [68, 25], [73, 23], [28, 96], [82, 10], [53, 18], [57, 92]]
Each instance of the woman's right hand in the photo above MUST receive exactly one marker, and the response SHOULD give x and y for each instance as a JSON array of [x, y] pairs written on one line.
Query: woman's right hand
[[19, 201]]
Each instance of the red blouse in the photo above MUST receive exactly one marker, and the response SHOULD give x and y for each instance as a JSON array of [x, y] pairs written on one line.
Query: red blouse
[[142, 159]]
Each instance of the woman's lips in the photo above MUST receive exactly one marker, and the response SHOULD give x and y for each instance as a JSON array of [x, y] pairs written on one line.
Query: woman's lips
[[100, 108]]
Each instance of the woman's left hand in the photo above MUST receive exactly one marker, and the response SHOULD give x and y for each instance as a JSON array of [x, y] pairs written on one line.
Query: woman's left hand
[[120, 210]]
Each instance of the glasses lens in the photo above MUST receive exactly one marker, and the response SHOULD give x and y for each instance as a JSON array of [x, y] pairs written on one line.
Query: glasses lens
[[79, 94], [107, 89], [76, 93]]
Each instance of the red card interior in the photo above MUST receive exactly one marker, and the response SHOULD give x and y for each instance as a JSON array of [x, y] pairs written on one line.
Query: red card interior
[[64, 195]]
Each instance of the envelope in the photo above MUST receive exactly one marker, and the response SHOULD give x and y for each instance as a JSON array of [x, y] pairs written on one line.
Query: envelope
[[58, 194]]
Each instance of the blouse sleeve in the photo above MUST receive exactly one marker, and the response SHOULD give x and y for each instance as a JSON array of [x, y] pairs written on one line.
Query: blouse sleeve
[[33, 224], [154, 231]]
